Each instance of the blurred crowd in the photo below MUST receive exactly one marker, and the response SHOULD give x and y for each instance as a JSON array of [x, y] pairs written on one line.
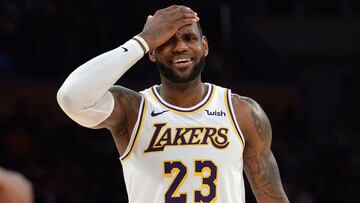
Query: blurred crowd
[[64, 163], [313, 111]]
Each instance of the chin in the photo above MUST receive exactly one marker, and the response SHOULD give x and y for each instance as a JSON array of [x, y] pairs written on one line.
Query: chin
[[185, 75]]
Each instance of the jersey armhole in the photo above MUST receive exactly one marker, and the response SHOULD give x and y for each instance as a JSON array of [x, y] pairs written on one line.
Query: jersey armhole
[[231, 111], [136, 130]]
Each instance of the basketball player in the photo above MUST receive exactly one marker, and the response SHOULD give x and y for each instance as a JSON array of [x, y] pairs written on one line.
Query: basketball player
[[181, 141], [14, 188]]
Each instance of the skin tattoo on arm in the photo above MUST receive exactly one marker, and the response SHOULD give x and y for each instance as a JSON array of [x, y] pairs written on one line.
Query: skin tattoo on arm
[[260, 164]]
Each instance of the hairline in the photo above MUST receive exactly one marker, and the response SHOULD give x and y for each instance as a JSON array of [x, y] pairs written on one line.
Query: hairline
[[199, 29]]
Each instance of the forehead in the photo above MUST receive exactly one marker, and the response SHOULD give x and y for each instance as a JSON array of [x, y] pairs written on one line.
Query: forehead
[[189, 29]]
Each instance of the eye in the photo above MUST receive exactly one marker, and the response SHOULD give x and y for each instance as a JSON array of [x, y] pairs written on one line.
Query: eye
[[190, 38]]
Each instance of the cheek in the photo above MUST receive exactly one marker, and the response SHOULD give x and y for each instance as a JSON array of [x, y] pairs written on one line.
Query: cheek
[[166, 47], [200, 50], [161, 55], [202, 53], [158, 58]]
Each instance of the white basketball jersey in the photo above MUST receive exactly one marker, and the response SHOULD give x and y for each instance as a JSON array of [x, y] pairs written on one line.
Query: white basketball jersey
[[185, 155]]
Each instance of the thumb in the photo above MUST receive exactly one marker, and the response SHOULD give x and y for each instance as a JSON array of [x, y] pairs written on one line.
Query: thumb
[[148, 18]]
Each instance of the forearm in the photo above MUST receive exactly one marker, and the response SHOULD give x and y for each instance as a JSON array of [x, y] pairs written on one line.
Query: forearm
[[84, 96], [264, 177]]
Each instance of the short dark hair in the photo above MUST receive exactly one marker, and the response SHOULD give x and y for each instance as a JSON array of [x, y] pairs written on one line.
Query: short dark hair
[[199, 28]]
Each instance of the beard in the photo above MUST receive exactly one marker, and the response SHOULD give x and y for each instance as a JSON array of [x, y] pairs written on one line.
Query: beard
[[172, 76]]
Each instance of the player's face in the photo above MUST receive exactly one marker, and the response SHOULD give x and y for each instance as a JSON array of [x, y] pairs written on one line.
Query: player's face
[[182, 58]]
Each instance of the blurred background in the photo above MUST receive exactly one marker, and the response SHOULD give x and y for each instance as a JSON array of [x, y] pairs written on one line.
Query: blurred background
[[298, 58]]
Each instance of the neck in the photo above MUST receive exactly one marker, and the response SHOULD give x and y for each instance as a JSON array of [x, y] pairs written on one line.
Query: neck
[[182, 94]]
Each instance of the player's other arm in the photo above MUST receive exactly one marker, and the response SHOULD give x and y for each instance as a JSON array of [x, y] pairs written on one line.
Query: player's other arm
[[259, 162]]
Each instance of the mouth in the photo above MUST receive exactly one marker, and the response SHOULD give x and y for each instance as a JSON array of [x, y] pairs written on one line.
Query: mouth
[[182, 62]]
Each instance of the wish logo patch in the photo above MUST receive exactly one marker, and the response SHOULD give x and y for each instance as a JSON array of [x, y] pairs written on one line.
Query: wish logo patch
[[215, 113]]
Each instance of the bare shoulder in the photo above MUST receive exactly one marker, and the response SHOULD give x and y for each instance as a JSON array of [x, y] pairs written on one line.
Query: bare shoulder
[[245, 107], [126, 107], [251, 118], [244, 103], [125, 95]]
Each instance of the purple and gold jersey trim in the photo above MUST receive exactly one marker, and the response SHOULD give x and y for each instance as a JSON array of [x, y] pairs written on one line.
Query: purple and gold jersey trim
[[230, 111], [138, 129], [205, 102]]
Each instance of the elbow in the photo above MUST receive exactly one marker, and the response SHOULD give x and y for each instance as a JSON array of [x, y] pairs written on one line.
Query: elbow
[[62, 97], [66, 100], [69, 105]]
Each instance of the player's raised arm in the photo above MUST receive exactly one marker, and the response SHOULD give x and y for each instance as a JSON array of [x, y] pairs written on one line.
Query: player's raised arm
[[87, 95], [259, 163]]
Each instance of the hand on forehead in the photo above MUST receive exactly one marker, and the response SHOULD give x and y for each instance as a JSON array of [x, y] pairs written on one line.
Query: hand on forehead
[[165, 23]]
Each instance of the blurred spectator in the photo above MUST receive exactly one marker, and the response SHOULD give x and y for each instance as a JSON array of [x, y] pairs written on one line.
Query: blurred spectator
[[15, 188]]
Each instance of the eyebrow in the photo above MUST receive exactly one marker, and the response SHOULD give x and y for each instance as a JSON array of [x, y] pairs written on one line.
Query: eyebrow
[[190, 35], [189, 32]]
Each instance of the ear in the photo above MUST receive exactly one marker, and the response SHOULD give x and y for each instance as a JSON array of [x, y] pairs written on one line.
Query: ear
[[205, 45], [152, 55]]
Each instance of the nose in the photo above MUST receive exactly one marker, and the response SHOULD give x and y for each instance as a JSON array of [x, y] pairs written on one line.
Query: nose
[[180, 46]]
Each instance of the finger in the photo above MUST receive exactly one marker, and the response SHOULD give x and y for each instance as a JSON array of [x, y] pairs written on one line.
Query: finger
[[148, 18], [170, 8], [184, 21], [182, 12], [180, 9], [184, 15]]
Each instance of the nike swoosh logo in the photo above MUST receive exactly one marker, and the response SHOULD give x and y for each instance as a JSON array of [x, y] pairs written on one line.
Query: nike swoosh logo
[[125, 49], [153, 113]]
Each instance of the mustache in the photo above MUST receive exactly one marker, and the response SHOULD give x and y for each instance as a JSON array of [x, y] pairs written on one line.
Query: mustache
[[172, 76]]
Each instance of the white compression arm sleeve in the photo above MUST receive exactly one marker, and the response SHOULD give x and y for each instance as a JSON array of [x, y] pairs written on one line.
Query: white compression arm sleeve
[[84, 96]]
